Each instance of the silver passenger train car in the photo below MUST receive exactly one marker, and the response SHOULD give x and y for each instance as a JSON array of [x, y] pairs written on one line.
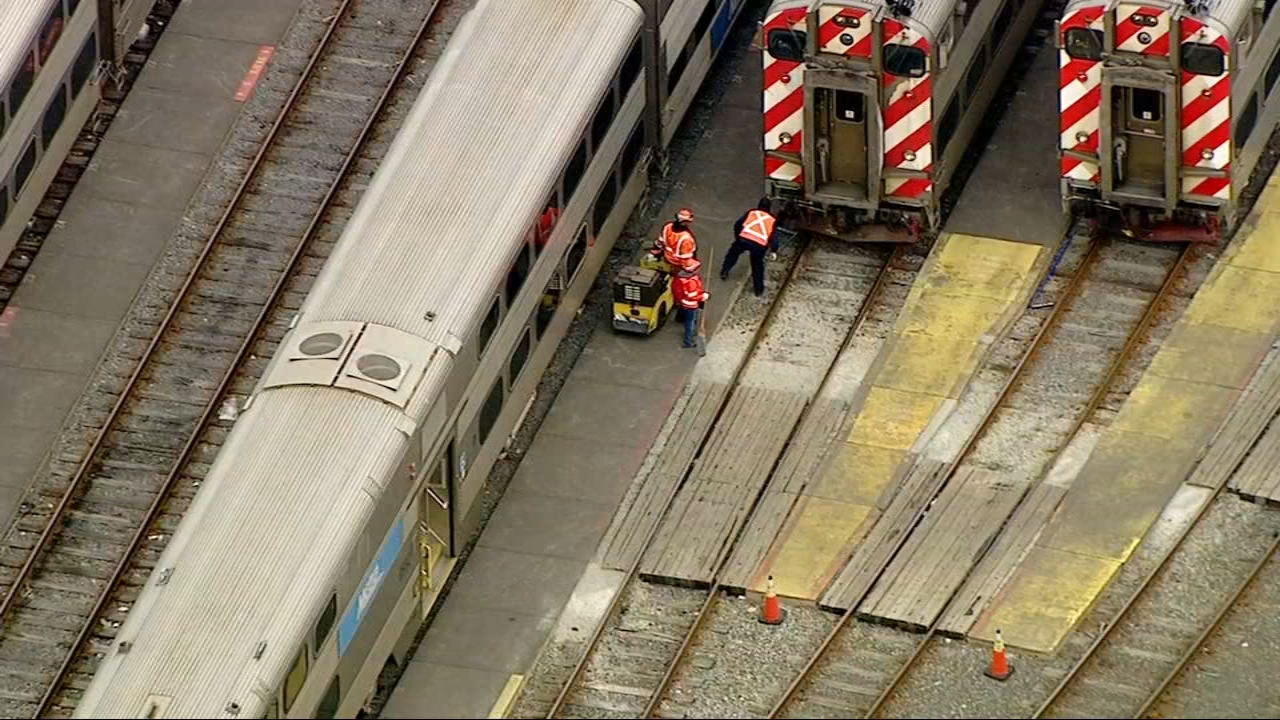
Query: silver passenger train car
[[869, 105], [325, 528], [50, 51], [1166, 107]]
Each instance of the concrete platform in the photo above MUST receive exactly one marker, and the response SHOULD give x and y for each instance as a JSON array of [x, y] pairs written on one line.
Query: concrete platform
[[1154, 442], [969, 290], [123, 213], [525, 566]]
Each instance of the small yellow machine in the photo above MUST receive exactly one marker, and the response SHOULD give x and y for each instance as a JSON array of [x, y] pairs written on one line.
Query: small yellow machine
[[642, 297]]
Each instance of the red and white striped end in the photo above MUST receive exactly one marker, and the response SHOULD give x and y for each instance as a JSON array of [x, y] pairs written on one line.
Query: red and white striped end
[[844, 31], [783, 102], [1080, 100], [908, 119], [1142, 29], [1206, 118]]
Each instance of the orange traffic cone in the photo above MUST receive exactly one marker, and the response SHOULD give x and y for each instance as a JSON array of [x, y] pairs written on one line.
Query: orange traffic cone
[[1000, 668], [772, 612]]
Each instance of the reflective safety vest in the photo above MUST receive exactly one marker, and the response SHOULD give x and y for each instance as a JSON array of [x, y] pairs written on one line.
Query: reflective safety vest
[[758, 227], [677, 245], [688, 290]]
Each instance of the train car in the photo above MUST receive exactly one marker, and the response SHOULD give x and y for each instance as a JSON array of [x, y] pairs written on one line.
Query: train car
[[870, 104], [50, 57], [329, 520], [1166, 108]]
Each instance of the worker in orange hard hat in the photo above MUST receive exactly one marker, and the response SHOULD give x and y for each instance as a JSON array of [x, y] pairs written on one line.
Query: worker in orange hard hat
[[690, 297], [676, 243]]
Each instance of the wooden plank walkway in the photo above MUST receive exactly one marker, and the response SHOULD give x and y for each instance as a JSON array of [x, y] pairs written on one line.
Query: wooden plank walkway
[[712, 506], [1010, 547], [960, 524], [1251, 421], [895, 514], [696, 410], [801, 462]]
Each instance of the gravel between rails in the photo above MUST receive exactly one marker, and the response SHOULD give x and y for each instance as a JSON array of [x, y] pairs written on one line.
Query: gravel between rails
[[233, 286]]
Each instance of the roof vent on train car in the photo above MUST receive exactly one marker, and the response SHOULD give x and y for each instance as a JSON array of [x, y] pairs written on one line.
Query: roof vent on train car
[[379, 368], [322, 344]]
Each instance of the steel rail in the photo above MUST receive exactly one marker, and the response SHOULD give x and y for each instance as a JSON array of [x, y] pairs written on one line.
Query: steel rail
[[1226, 607], [1069, 296], [251, 337], [633, 571], [727, 553], [1095, 401]]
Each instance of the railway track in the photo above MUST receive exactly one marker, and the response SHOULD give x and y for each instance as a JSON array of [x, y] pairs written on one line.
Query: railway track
[[1101, 311], [635, 659], [72, 566], [82, 150], [1173, 697], [1135, 663]]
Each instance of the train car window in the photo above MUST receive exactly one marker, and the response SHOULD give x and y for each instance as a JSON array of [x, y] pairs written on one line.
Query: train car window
[[26, 164], [577, 253], [1146, 105], [677, 70], [974, 77], [904, 60], [328, 706], [1203, 59], [72, 5], [631, 155], [1244, 126], [516, 275], [603, 120], [604, 203], [787, 44], [490, 324], [950, 120], [1273, 72], [704, 20], [295, 679], [546, 308], [1267, 5], [850, 106], [573, 173], [631, 67], [85, 62], [4, 203], [519, 356], [325, 623], [1002, 23], [490, 411], [22, 81], [545, 224], [50, 33], [1083, 43], [53, 116]]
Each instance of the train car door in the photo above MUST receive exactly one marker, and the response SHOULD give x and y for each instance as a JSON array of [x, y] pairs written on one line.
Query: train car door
[[840, 152], [435, 525], [1139, 121]]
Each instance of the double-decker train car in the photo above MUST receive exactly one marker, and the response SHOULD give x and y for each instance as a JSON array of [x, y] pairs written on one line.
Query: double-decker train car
[[1166, 108], [49, 56], [870, 104], [326, 526]]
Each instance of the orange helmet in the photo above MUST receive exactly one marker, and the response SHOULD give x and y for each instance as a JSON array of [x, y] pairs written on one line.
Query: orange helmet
[[684, 216], [692, 264]]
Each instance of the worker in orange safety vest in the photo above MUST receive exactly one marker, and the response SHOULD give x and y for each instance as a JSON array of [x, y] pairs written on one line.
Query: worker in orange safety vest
[[676, 243], [690, 297], [754, 234]]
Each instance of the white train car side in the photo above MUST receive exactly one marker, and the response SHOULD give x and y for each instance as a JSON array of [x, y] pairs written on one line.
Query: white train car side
[[328, 522]]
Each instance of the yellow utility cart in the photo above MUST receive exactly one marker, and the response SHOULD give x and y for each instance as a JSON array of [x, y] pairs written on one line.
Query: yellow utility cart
[[642, 298]]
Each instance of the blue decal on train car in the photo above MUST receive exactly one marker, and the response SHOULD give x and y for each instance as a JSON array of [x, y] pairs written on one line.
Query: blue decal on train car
[[369, 586], [720, 26]]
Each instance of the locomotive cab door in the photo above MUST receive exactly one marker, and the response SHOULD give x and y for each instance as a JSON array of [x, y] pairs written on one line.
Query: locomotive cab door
[[1143, 145], [841, 111]]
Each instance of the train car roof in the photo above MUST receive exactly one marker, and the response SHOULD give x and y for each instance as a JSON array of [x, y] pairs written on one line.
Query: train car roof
[[20, 22], [1227, 15], [285, 503]]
